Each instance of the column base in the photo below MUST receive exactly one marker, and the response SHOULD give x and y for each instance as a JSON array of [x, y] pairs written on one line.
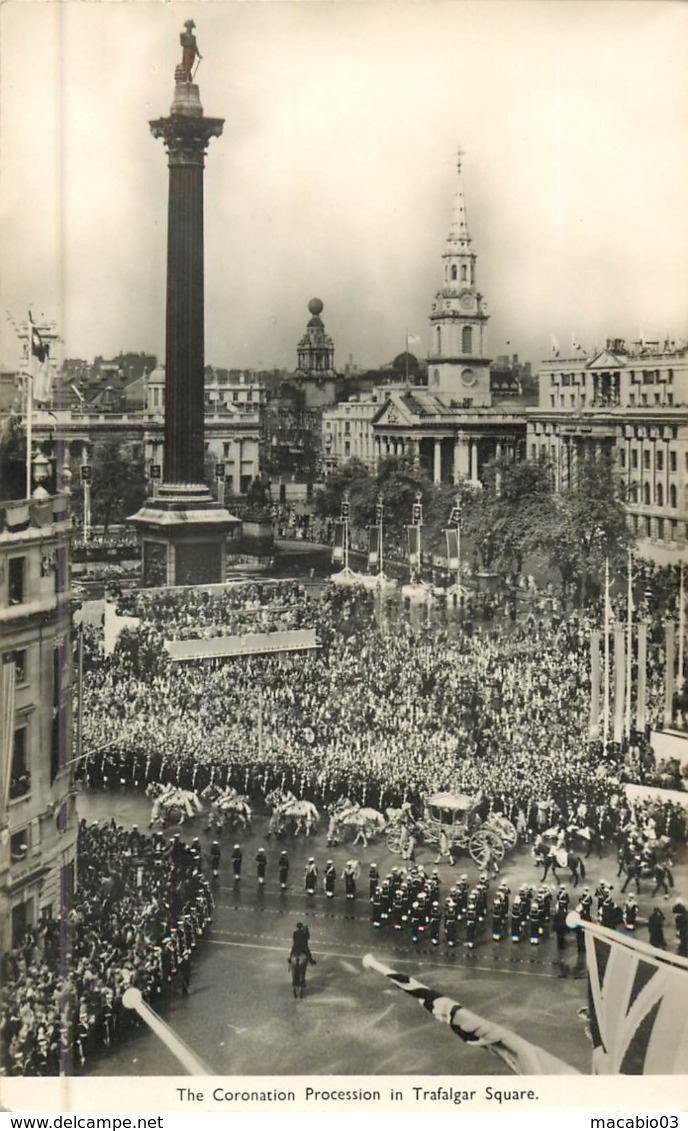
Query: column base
[[183, 533]]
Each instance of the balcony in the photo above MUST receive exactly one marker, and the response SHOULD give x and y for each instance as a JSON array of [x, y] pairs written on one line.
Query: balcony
[[20, 786]]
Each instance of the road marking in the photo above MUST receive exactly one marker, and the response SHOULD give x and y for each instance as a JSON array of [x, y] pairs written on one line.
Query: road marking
[[409, 961]]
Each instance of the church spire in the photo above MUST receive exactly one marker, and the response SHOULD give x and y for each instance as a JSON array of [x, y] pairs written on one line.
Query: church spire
[[458, 231]]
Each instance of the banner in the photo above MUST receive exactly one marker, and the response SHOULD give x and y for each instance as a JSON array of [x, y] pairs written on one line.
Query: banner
[[638, 1005], [619, 681], [338, 547], [373, 546], [669, 677], [452, 549], [8, 679], [641, 689], [414, 545], [595, 684]]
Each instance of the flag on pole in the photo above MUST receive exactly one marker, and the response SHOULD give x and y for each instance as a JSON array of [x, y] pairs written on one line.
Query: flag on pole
[[414, 545], [452, 549], [40, 369], [373, 546], [555, 346], [412, 340], [637, 1003], [520, 1055], [338, 546]]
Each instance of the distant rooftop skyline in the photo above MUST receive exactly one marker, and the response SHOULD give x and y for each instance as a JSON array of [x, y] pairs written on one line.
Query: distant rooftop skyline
[[336, 172]]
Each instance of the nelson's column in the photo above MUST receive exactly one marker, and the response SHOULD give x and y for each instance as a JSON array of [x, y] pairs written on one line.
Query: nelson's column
[[183, 530]]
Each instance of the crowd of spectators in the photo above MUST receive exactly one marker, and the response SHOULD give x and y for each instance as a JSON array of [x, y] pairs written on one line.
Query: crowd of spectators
[[383, 712], [140, 905]]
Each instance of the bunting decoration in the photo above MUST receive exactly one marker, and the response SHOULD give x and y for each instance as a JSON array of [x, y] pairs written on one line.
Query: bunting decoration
[[373, 547], [520, 1055], [452, 537], [414, 546], [338, 547]]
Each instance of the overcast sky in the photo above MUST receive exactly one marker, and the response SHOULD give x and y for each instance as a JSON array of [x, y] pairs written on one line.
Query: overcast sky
[[335, 172]]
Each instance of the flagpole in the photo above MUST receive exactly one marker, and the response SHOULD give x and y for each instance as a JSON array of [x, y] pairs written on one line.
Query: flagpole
[[629, 645], [406, 356], [346, 534], [29, 407], [606, 653], [379, 549], [681, 631]]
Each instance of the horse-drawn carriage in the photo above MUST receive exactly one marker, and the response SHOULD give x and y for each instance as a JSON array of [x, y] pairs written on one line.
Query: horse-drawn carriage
[[453, 820]]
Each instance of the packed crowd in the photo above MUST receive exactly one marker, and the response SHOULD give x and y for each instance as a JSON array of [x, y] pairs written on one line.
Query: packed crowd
[[379, 713], [140, 906]]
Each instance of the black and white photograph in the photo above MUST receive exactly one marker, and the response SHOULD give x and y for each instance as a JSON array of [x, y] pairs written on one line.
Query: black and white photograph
[[343, 556]]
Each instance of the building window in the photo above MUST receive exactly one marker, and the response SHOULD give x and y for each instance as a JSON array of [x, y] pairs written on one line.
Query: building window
[[657, 398], [533, 451], [347, 448], [672, 461], [631, 400], [660, 529], [674, 530], [17, 568], [643, 398], [659, 494], [19, 658], [648, 527], [235, 395], [464, 275], [634, 459], [646, 459], [20, 780], [659, 460], [646, 494], [225, 449], [467, 339], [453, 273], [673, 496], [551, 400], [19, 845], [622, 458], [670, 398], [439, 345]]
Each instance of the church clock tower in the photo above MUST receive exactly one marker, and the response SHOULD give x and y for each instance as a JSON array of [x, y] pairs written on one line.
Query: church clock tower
[[458, 369]]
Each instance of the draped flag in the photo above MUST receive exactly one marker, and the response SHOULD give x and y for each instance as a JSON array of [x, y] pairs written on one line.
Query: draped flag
[[39, 364], [637, 1004], [520, 1055], [619, 680], [414, 545], [373, 546], [642, 677], [452, 549], [669, 677], [338, 547], [8, 680], [594, 684]]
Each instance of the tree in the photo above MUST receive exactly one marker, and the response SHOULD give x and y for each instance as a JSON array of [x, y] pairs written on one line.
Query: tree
[[119, 482], [512, 515], [589, 525]]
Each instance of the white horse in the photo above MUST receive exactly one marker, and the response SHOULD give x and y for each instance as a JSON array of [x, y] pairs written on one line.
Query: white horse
[[288, 809], [170, 803], [366, 822], [228, 804]]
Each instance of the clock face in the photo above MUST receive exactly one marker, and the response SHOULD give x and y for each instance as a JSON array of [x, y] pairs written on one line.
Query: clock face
[[466, 300], [468, 377]]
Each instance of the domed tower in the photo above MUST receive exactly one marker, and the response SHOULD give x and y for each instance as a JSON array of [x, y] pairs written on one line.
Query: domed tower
[[458, 369], [315, 351]]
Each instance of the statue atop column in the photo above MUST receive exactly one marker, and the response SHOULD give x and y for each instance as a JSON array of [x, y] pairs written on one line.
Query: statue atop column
[[190, 52]]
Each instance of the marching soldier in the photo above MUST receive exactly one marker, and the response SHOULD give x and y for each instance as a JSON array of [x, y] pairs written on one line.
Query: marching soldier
[[585, 905], [450, 922], [534, 920], [376, 908], [498, 916], [329, 879], [237, 857], [416, 919], [261, 866], [397, 909], [310, 876], [349, 877], [283, 869], [434, 923], [471, 920], [461, 897], [373, 879], [215, 859], [385, 901], [516, 917], [630, 912]]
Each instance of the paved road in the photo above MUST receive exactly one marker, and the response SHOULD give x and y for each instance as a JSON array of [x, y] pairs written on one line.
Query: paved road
[[242, 1019]]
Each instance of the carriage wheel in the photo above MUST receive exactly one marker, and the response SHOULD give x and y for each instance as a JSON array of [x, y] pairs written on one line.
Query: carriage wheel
[[394, 840], [486, 845], [504, 829]]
